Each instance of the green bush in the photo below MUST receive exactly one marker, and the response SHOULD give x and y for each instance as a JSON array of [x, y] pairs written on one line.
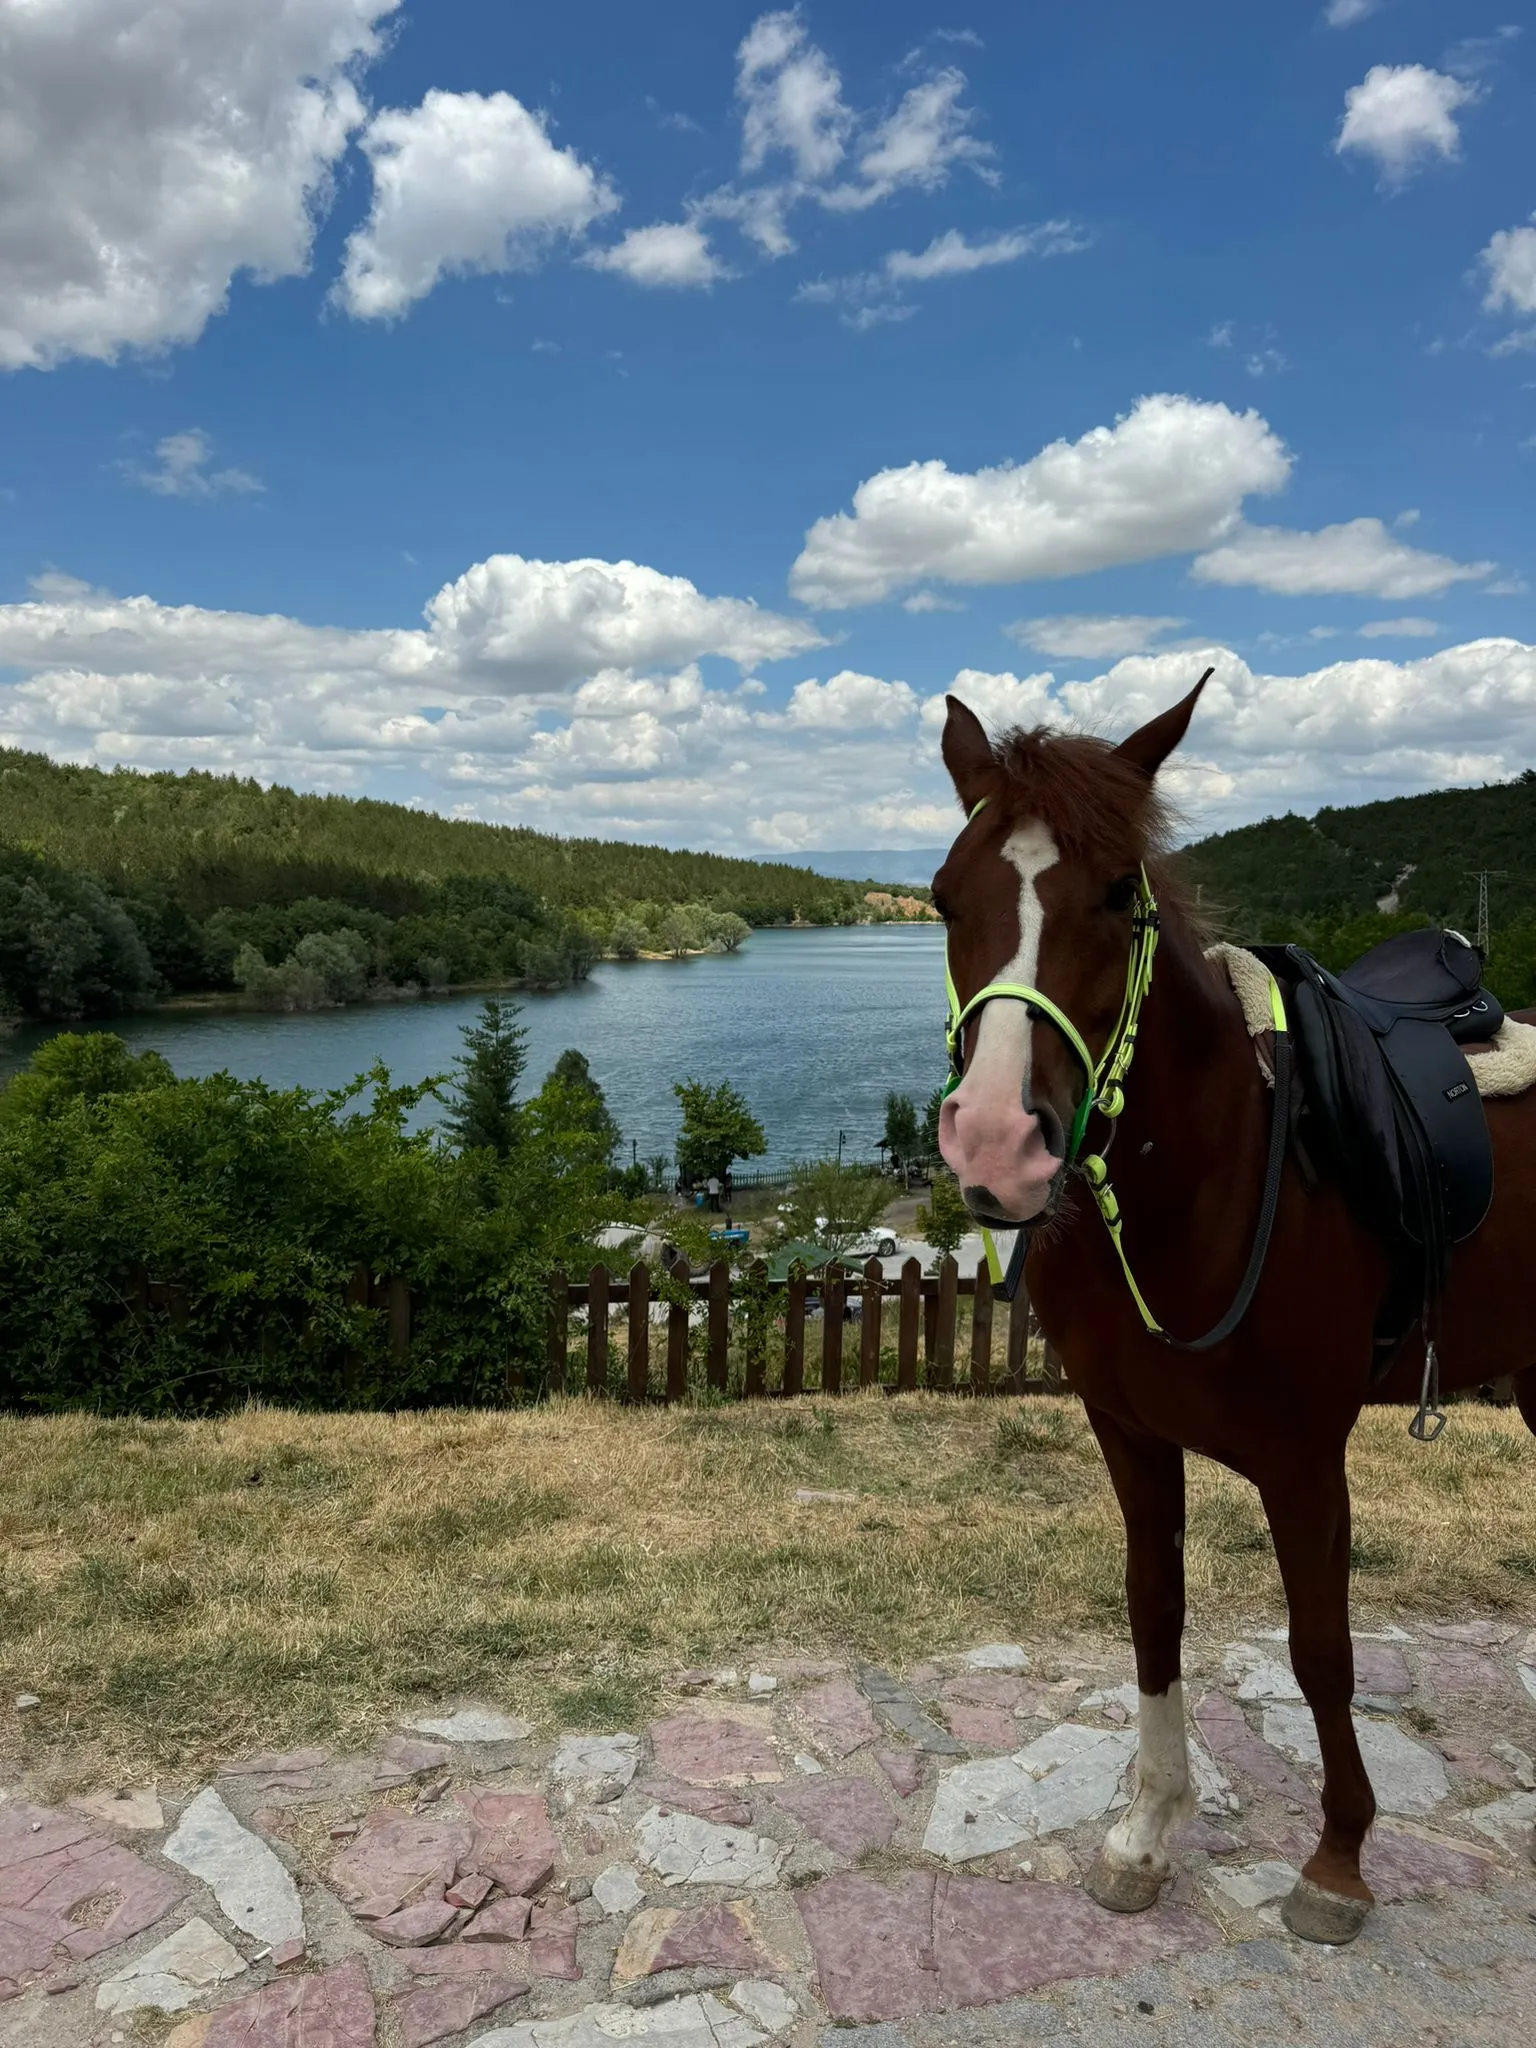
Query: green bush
[[181, 1246]]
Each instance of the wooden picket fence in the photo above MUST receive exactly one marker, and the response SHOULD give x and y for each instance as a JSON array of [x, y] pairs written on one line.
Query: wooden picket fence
[[774, 1316]]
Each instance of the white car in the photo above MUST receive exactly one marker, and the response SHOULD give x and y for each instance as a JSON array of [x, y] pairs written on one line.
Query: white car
[[876, 1244]]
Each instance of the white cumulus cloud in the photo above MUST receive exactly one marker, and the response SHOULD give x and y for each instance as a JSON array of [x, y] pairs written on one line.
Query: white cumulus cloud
[[181, 470], [1399, 629], [154, 150], [1510, 261], [1359, 557], [1168, 478], [1345, 13], [539, 625], [465, 182], [792, 98], [850, 699], [951, 255], [1402, 114], [1082, 636], [673, 254], [917, 145]]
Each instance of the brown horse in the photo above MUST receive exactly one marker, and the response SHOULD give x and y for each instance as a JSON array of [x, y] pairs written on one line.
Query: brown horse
[[1040, 890]]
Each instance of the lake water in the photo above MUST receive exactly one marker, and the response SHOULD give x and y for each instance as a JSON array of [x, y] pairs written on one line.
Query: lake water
[[813, 1027]]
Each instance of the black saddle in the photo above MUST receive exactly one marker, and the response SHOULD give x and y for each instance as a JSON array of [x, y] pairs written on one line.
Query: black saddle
[[1392, 1109]]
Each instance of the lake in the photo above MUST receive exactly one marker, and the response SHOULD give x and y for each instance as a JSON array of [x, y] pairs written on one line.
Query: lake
[[814, 1027]]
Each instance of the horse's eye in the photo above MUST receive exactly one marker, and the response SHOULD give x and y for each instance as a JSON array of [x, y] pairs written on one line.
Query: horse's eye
[[1122, 894]]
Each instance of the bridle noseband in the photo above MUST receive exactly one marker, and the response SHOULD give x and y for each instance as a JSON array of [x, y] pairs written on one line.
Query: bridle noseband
[[1104, 1090]]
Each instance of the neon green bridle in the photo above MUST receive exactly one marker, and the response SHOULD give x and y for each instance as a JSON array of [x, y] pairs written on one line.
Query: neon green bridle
[[1104, 1078]]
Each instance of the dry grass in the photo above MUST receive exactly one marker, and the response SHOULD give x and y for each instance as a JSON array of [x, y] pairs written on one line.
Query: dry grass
[[177, 1592]]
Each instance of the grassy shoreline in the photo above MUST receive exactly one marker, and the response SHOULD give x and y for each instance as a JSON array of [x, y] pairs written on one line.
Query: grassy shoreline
[[178, 1592]]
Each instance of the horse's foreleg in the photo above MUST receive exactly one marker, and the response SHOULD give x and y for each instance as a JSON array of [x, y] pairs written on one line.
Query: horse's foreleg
[[1148, 1478], [1309, 1519]]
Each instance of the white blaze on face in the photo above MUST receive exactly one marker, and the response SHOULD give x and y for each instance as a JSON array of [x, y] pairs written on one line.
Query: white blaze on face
[[1000, 1062]]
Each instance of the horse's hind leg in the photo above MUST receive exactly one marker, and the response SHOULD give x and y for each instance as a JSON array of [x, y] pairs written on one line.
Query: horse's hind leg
[[1308, 1511], [1148, 1477], [1525, 1396]]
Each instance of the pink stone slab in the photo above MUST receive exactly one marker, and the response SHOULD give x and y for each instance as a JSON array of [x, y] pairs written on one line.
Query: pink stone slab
[[469, 1892], [704, 1802], [551, 1943], [1231, 1741], [1197, 1833], [904, 1768], [432, 2012], [1398, 1865], [1464, 1671], [292, 1771], [52, 1866], [983, 1727], [1003, 1689], [873, 1945], [926, 1944], [838, 1716], [332, 2009], [702, 1749], [1482, 1635], [848, 1814], [1380, 1669], [404, 1758], [514, 1842], [505, 1920], [398, 1858], [414, 1925], [712, 1937], [999, 1940]]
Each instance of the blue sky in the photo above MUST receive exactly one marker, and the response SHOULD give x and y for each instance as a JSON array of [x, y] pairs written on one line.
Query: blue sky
[[632, 421]]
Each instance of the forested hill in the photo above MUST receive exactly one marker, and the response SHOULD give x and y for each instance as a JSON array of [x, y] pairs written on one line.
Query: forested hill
[[1342, 863], [1345, 878], [119, 889], [222, 842]]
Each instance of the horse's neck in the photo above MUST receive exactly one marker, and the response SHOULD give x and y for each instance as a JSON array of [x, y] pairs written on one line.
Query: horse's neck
[[1194, 1066]]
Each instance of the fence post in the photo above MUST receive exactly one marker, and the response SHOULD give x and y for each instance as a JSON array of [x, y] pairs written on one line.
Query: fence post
[[869, 1331], [639, 1331], [597, 1330], [907, 1328], [794, 1331], [399, 1316], [757, 1330], [930, 1323], [981, 1331], [717, 1369], [941, 1372], [1018, 1342], [834, 1293], [557, 1329], [677, 1335]]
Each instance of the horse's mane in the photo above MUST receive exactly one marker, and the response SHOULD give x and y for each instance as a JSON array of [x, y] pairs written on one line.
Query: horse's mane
[[1096, 805]]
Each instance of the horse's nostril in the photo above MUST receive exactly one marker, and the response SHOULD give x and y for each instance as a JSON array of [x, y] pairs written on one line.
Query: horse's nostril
[[1052, 1130]]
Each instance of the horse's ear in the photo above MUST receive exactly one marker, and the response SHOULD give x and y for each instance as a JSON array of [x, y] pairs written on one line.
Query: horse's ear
[[1151, 744], [967, 754]]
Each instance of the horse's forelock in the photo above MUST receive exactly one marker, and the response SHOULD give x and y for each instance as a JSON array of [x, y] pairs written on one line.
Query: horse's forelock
[[1096, 805]]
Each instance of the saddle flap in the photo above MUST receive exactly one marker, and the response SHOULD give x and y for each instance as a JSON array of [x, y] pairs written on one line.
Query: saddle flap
[[1440, 1115]]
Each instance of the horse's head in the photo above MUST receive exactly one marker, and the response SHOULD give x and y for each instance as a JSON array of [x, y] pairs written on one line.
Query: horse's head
[[1039, 891]]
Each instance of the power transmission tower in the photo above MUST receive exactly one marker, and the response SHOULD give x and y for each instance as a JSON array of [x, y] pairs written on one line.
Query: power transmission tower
[[1482, 877]]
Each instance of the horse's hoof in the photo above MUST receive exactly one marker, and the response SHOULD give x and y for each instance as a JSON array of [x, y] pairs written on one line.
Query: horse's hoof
[[1124, 1888], [1315, 1915]]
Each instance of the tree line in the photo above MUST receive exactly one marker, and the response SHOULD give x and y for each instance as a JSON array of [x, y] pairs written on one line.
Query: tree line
[[117, 887]]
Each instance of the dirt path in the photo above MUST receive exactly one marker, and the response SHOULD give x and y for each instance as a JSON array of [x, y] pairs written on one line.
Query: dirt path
[[803, 1852]]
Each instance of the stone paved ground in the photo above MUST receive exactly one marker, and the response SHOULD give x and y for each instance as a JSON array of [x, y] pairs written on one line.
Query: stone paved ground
[[802, 1853]]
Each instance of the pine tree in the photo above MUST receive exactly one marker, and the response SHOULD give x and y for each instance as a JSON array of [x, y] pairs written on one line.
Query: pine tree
[[484, 1113]]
